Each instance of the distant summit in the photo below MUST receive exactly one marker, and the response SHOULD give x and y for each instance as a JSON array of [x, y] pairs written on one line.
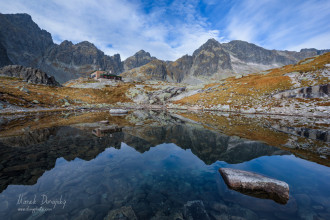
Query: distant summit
[[138, 59]]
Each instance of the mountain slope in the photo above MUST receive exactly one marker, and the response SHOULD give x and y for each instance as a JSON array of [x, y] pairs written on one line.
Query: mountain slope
[[299, 89], [26, 44]]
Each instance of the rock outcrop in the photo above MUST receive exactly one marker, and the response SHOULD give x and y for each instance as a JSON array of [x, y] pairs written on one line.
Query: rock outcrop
[[318, 91], [29, 74], [256, 185]]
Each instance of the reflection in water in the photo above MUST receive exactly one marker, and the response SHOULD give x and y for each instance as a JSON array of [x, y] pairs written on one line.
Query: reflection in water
[[315, 134], [102, 131], [151, 170]]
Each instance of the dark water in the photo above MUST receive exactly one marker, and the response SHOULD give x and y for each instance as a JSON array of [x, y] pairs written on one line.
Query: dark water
[[70, 173]]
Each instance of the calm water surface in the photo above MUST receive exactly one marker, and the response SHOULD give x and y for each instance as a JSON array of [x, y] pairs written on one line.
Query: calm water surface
[[79, 172]]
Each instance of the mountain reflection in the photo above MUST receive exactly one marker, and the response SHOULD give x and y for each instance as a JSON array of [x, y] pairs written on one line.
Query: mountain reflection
[[26, 157]]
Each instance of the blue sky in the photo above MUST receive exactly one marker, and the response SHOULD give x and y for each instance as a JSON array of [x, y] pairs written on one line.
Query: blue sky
[[169, 29]]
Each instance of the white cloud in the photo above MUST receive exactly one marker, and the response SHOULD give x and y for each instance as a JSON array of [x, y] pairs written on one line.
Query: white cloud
[[280, 24]]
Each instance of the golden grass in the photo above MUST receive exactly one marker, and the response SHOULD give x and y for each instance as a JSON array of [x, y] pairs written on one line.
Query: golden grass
[[49, 96]]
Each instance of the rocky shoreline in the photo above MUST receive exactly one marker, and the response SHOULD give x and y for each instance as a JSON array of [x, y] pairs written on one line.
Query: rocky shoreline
[[106, 107]]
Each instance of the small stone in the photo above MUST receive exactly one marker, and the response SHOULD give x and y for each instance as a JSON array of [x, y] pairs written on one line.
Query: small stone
[[318, 207], [35, 102], [23, 89]]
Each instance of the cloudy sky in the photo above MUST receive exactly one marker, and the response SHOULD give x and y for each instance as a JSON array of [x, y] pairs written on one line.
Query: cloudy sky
[[169, 29]]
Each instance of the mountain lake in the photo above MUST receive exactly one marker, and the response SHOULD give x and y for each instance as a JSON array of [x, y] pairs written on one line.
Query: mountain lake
[[152, 165]]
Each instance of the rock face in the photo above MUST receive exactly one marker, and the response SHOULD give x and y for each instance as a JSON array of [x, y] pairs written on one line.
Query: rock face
[[4, 59], [251, 53], [31, 75], [256, 185], [179, 69], [24, 41], [139, 59]]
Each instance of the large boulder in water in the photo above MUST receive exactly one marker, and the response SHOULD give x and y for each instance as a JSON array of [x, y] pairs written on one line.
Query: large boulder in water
[[255, 185]]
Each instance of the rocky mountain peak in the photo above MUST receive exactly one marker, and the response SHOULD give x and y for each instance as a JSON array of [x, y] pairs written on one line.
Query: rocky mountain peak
[[85, 44], [140, 58], [210, 45], [66, 43], [210, 58], [23, 39], [212, 41], [142, 53]]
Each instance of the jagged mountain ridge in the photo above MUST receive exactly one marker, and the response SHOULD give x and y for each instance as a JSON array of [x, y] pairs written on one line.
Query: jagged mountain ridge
[[69, 60], [138, 59], [22, 42], [216, 60]]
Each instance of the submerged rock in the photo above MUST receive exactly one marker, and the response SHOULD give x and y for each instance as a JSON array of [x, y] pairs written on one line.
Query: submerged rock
[[123, 213], [195, 210], [256, 185], [118, 111]]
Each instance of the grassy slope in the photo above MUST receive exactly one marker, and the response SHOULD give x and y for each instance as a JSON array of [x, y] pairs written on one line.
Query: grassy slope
[[50, 96]]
